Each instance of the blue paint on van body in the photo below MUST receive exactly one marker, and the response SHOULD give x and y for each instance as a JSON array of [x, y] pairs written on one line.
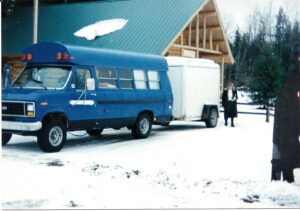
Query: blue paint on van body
[[140, 85]]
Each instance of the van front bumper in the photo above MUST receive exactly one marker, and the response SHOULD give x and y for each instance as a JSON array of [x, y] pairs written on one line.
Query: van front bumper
[[21, 126]]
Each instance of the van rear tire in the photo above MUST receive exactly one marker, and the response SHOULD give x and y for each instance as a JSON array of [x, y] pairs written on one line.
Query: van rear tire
[[142, 126]]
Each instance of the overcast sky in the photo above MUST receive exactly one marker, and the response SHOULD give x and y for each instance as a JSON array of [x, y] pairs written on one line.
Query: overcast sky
[[237, 11]]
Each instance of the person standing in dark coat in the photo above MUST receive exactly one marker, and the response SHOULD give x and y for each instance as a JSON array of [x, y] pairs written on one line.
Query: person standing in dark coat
[[286, 133], [229, 102]]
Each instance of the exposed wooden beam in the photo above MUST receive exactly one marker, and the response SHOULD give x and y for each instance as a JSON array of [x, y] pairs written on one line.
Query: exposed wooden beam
[[220, 42], [208, 13], [204, 32], [213, 28], [181, 43], [197, 31], [190, 34], [211, 40], [215, 43], [222, 72], [202, 50], [206, 54]]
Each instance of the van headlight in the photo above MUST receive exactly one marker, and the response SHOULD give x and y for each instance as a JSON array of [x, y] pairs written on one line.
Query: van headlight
[[30, 109]]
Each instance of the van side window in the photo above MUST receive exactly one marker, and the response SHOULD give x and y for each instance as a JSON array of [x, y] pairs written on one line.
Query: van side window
[[154, 80], [125, 78], [106, 77], [81, 75], [140, 78]]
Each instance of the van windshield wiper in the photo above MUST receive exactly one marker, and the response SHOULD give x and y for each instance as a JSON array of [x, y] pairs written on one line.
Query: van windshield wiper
[[38, 82]]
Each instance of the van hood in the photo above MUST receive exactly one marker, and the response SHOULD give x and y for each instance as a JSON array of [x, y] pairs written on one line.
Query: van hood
[[19, 94]]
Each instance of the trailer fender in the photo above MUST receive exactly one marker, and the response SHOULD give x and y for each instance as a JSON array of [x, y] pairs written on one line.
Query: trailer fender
[[206, 111]]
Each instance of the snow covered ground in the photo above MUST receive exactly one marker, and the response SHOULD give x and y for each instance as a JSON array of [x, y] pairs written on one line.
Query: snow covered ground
[[184, 165]]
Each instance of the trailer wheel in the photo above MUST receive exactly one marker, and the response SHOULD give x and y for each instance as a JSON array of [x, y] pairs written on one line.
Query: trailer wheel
[[94, 132], [6, 138], [212, 120], [53, 136], [142, 126]]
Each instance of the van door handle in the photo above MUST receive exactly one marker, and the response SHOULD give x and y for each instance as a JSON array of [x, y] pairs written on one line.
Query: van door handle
[[93, 94]]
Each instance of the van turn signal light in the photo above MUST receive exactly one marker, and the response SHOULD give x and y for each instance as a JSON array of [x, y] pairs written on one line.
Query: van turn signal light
[[62, 56], [29, 57], [59, 56], [26, 57], [65, 56]]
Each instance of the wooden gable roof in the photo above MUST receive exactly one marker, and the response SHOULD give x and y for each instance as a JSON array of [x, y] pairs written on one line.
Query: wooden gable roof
[[202, 37]]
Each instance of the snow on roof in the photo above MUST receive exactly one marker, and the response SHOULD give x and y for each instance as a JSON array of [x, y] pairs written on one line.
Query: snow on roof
[[101, 28]]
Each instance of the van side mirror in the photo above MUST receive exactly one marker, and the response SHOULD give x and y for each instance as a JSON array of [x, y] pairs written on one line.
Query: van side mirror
[[90, 84], [6, 76]]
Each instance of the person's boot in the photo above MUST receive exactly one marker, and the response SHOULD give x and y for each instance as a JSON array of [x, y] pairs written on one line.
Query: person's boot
[[226, 122], [232, 124], [288, 175]]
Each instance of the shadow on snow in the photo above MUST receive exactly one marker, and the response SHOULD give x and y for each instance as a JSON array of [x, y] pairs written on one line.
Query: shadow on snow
[[75, 140]]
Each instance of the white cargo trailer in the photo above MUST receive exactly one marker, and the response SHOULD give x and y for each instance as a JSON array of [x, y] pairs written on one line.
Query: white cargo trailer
[[196, 89]]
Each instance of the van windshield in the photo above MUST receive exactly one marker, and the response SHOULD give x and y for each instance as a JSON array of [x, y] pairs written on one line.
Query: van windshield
[[43, 77]]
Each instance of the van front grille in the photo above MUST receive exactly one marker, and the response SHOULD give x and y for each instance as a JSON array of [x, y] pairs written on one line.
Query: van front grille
[[13, 108]]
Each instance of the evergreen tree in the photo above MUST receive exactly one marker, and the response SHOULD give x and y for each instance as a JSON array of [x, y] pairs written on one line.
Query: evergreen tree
[[280, 29], [284, 42], [267, 77], [295, 46], [231, 71], [237, 72]]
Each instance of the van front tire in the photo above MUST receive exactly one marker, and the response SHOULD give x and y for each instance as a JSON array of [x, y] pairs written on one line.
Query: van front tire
[[53, 136], [6, 138], [142, 126]]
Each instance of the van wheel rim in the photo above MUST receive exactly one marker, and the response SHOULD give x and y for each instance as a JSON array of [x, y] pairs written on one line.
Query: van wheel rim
[[144, 126], [55, 136]]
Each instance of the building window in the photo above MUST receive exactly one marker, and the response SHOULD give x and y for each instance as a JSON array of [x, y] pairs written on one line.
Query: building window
[[154, 80], [125, 78], [140, 78], [106, 77]]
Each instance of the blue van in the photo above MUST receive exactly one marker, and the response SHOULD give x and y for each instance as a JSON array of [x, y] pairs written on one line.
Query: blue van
[[70, 88]]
